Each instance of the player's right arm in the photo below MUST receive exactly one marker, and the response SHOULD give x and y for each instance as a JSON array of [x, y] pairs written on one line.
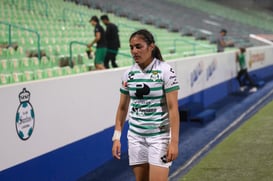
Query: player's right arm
[[97, 38], [120, 119]]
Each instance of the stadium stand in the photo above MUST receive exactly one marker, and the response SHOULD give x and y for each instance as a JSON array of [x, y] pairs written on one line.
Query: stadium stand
[[41, 33], [202, 19], [45, 30]]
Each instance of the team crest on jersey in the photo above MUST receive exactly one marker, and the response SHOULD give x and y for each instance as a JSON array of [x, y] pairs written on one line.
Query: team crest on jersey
[[154, 75], [25, 117]]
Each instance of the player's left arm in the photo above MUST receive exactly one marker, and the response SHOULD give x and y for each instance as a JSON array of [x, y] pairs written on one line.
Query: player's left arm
[[172, 104]]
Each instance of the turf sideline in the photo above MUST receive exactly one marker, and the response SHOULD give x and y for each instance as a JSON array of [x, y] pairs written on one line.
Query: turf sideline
[[221, 135]]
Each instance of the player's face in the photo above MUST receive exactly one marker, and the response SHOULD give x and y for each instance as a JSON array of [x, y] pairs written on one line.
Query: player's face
[[141, 51], [104, 22], [223, 33], [93, 23]]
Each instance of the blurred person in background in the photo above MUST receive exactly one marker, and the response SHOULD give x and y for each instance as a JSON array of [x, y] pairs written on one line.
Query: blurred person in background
[[243, 77], [221, 42], [113, 42], [100, 42]]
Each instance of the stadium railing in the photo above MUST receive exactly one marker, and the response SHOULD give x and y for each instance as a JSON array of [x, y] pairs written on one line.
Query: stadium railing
[[194, 46], [10, 26]]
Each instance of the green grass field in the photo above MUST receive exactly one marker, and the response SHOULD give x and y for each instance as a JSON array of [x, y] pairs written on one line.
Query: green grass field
[[245, 155]]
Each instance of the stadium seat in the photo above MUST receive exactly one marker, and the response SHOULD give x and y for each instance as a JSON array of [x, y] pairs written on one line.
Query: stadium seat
[[195, 112], [14, 65], [5, 78], [16, 77], [204, 116], [28, 75], [39, 74], [56, 32], [4, 65], [189, 110]]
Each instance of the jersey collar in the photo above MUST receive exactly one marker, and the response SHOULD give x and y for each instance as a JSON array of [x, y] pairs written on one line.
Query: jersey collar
[[149, 67]]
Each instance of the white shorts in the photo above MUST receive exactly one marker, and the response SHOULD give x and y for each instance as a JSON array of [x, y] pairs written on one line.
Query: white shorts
[[150, 150]]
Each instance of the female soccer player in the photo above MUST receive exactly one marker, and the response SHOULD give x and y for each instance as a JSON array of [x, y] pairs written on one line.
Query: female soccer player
[[149, 93]]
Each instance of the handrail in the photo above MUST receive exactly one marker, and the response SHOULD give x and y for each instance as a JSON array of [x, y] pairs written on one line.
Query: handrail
[[193, 44], [70, 50], [25, 29], [85, 44], [185, 41]]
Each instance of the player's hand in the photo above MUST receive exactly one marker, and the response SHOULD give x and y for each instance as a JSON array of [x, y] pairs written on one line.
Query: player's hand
[[172, 152], [116, 149], [230, 43]]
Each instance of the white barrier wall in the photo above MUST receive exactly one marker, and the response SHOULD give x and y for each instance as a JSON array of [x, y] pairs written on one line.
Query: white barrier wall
[[197, 74], [68, 109], [259, 57]]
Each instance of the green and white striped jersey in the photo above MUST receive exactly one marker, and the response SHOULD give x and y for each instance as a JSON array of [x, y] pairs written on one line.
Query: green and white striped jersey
[[148, 112]]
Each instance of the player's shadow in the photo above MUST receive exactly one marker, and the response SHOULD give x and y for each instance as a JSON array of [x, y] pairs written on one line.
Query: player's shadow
[[114, 170]]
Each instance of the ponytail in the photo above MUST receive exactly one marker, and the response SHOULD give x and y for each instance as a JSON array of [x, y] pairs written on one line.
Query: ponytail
[[157, 54]]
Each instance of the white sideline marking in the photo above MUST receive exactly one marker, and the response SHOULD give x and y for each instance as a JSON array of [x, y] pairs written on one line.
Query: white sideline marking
[[206, 147]]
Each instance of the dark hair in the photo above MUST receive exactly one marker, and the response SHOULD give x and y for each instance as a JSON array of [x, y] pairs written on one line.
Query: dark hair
[[243, 50], [223, 31], [149, 39], [94, 18], [104, 17]]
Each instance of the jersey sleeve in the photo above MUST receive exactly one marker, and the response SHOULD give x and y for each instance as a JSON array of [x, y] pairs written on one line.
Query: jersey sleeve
[[124, 84], [170, 79], [97, 29]]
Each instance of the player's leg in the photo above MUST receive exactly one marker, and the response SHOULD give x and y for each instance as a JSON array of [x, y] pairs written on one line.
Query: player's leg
[[99, 58], [113, 60], [159, 167], [239, 78], [138, 156], [99, 66], [107, 59], [249, 79], [141, 172], [158, 173]]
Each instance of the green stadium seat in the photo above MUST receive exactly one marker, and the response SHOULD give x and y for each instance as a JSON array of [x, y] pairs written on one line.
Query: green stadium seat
[[56, 35], [45, 63], [67, 70], [49, 72], [77, 69], [16, 77], [39, 74], [28, 75], [54, 61], [4, 65], [84, 68], [25, 64], [5, 78], [15, 65], [34, 62]]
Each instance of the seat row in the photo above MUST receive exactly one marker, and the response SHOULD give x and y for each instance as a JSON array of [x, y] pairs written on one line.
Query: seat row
[[38, 74]]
